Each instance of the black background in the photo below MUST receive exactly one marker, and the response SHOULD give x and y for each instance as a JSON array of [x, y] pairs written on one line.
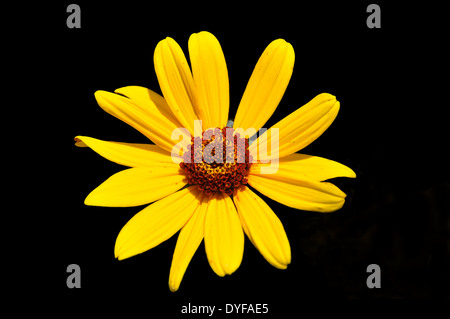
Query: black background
[[390, 130]]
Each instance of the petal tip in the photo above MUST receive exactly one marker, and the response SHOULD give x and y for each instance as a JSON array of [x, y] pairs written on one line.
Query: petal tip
[[88, 201], [173, 288], [351, 174], [79, 142], [93, 199], [99, 94]]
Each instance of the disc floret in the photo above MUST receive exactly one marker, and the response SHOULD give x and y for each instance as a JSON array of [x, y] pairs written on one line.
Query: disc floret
[[219, 161]]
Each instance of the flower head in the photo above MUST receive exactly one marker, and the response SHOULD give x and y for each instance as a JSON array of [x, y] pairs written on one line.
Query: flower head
[[198, 171]]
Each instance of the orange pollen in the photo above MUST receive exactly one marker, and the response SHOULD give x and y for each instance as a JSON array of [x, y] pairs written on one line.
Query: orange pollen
[[219, 161]]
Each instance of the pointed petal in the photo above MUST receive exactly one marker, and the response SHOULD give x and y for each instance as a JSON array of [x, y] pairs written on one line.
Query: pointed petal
[[150, 121], [266, 86], [137, 186], [156, 223], [210, 78], [224, 238], [302, 127], [263, 228], [188, 241], [176, 82], [306, 167], [300, 194], [128, 154]]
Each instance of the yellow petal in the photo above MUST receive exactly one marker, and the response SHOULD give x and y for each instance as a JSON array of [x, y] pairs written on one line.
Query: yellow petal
[[137, 186], [305, 167], [156, 223], [302, 127], [266, 86], [128, 154], [300, 194], [151, 100], [190, 237], [176, 82], [224, 238], [150, 121], [263, 228], [210, 78]]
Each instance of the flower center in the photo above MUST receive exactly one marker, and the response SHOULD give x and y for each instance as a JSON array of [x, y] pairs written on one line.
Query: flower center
[[219, 161]]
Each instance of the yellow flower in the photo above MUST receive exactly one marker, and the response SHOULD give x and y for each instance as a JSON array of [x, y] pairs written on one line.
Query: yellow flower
[[205, 198]]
